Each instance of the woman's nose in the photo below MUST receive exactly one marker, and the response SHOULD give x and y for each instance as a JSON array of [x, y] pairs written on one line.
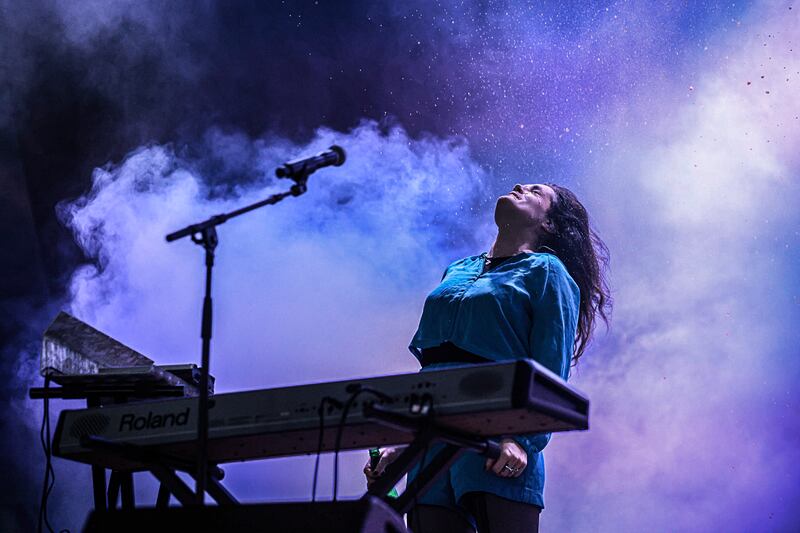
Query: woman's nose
[[518, 188]]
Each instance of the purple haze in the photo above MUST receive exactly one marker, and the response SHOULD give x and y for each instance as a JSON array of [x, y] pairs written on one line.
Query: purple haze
[[686, 157]]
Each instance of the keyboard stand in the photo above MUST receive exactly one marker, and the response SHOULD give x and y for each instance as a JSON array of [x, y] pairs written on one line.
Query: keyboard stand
[[163, 468], [427, 432]]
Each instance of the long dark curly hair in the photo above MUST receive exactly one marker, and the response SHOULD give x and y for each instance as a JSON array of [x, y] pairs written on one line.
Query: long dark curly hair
[[586, 257]]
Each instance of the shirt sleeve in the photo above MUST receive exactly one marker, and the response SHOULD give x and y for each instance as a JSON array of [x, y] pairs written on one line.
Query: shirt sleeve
[[555, 321]]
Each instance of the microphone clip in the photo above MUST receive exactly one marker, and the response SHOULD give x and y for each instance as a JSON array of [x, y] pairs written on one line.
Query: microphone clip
[[300, 186]]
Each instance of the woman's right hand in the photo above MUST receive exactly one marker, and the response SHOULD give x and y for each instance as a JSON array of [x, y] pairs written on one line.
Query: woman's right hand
[[388, 455]]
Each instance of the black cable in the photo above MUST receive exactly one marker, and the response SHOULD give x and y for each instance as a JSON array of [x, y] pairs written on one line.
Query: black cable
[[321, 412], [334, 403], [357, 391], [339, 431], [49, 473]]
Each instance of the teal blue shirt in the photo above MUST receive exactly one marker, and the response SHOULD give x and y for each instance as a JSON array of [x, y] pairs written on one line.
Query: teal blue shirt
[[525, 308]]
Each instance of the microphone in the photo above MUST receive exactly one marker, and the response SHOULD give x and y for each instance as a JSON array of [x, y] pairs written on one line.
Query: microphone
[[306, 165]]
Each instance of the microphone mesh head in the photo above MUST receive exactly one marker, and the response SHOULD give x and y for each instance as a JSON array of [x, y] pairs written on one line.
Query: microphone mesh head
[[340, 152]]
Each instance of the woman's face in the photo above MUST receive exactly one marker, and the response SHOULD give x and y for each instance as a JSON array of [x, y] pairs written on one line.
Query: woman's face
[[525, 206]]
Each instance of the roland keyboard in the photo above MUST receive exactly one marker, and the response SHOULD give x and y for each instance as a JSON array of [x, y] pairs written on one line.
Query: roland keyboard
[[487, 400]]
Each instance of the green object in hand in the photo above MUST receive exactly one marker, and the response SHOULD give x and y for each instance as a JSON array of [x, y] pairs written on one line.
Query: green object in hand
[[374, 457]]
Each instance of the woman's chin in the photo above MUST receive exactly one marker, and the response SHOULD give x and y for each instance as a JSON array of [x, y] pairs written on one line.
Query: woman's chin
[[505, 208]]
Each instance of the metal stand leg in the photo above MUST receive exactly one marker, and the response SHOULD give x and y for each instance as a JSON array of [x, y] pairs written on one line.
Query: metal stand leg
[[174, 484], [162, 502], [99, 487], [443, 460], [126, 483], [405, 462], [215, 489], [113, 489]]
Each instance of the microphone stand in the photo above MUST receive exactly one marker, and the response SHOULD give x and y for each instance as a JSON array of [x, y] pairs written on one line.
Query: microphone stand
[[205, 234]]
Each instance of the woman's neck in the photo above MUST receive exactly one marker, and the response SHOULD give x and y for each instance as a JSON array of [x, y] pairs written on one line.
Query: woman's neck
[[509, 243]]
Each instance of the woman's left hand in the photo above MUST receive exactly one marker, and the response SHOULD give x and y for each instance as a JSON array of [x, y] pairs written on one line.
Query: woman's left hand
[[512, 461]]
